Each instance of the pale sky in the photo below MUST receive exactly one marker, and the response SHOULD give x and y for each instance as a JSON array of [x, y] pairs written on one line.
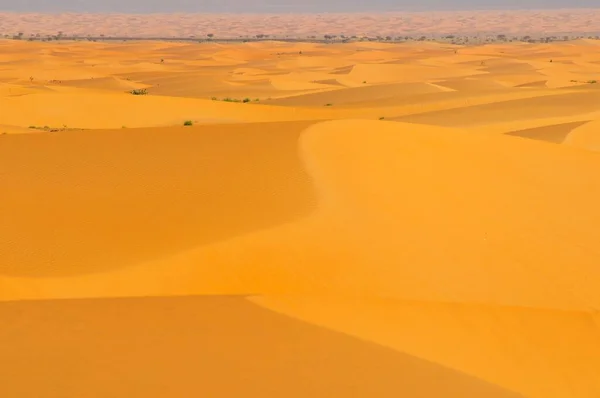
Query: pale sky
[[277, 6]]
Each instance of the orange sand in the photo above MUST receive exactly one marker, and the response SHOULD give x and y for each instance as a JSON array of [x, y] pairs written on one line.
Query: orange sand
[[298, 245]]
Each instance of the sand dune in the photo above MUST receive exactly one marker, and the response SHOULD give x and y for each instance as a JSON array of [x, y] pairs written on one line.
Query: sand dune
[[586, 136], [375, 220], [201, 355], [567, 104], [552, 133], [540, 353], [172, 165]]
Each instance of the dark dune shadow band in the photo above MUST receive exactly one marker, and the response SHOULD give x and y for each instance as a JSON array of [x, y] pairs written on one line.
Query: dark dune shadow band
[[555, 133], [92, 201], [217, 346]]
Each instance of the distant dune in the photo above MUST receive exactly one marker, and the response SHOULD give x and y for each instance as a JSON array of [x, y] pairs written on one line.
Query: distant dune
[[299, 219], [522, 22]]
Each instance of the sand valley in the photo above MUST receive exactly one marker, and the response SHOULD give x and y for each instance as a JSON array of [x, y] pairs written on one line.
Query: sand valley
[[276, 219]]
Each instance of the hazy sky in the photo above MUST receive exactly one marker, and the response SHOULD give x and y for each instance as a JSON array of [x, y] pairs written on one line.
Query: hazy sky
[[150, 6]]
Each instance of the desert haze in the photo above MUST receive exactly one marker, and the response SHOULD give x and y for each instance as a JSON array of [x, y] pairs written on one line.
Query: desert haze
[[270, 219], [279, 6], [578, 22]]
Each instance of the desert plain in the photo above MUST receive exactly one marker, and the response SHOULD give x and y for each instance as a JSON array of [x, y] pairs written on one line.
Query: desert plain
[[299, 220]]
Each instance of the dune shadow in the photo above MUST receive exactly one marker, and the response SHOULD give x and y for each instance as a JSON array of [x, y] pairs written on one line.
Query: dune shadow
[[559, 105], [87, 202], [212, 346], [555, 133]]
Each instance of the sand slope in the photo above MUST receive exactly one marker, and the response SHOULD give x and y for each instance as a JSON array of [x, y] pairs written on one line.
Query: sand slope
[[91, 206], [184, 356], [287, 247], [586, 136]]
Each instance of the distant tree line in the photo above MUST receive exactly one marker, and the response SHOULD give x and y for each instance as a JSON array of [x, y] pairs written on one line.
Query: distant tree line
[[326, 38]]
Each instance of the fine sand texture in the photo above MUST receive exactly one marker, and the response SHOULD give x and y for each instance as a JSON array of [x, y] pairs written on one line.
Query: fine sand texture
[[299, 220]]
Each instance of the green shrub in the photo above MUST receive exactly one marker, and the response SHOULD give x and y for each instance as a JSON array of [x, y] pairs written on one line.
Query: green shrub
[[188, 123], [141, 91]]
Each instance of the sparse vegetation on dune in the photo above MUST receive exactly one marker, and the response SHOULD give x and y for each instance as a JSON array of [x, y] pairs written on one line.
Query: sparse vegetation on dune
[[229, 99], [141, 91], [584, 81], [54, 129]]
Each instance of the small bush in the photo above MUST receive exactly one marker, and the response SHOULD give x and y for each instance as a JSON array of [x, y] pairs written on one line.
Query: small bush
[[592, 81], [246, 100], [141, 91], [328, 104], [381, 118], [214, 98], [188, 123]]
